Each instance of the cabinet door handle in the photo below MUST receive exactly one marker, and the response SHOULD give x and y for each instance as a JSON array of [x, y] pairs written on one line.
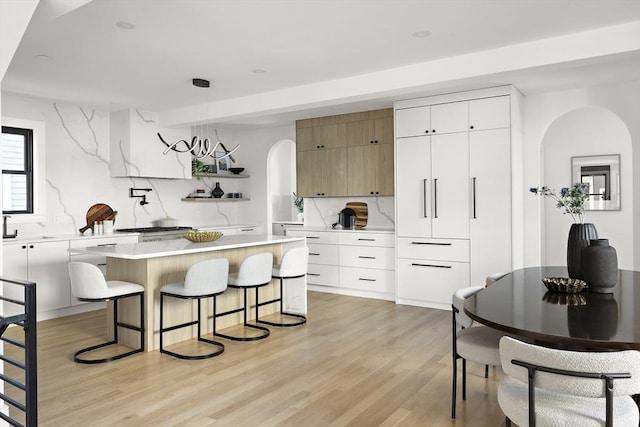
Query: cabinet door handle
[[246, 229], [430, 265], [313, 274], [24, 246], [424, 198], [311, 253], [366, 280], [107, 244], [430, 243], [435, 198], [30, 246], [473, 192], [368, 240], [366, 257], [313, 237]]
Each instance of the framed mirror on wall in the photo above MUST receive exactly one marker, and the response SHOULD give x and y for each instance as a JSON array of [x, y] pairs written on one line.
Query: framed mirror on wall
[[602, 176]]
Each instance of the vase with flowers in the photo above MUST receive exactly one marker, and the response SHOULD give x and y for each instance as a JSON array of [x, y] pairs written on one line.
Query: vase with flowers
[[571, 201]]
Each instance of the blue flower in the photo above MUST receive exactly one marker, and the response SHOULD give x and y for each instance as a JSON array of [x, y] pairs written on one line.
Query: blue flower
[[534, 190], [564, 191]]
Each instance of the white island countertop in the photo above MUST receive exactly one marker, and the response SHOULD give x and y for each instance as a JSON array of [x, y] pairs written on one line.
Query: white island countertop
[[144, 250]]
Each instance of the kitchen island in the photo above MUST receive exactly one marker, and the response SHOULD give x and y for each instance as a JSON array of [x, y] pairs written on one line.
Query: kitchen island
[[155, 264]]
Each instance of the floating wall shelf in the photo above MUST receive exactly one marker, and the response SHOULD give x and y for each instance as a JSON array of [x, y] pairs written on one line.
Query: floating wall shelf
[[213, 200], [220, 175]]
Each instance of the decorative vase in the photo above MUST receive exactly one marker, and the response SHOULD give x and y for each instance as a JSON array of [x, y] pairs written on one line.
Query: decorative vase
[[579, 237], [600, 266], [218, 193]]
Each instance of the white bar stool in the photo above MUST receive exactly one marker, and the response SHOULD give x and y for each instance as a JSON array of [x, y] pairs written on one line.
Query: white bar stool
[[254, 272], [293, 266], [204, 279], [88, 284]]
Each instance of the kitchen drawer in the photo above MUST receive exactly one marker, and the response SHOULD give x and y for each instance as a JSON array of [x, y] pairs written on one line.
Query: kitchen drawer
[[323, 254], [102, 241], [431, 281], [367, 239], [367, 257], [434, 249], [367, 279], [322, 237], [325, 275]]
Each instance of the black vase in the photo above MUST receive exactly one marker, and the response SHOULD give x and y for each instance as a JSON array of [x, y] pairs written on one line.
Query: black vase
[[218, 193], [579, 237], [600, 266]]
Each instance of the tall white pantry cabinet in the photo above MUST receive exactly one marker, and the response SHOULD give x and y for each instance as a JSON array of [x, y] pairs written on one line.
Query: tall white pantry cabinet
[[454, 201]]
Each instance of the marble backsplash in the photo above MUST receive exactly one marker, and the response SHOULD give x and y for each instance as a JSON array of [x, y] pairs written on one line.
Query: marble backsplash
[[322, 212]]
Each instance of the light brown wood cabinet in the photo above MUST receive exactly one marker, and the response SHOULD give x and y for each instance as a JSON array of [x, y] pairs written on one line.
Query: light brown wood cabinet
[[330, 174], [322, 173], [370, 171]]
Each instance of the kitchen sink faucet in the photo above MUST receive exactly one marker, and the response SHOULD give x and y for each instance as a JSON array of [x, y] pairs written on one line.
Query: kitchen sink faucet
[[5, 235]]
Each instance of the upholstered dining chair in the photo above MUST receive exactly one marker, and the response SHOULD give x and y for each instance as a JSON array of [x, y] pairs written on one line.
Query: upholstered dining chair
[[493, 278], [546, 386], [477, 343]]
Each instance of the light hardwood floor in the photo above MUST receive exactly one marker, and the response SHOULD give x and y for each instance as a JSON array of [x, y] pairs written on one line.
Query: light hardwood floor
[[357, 362]]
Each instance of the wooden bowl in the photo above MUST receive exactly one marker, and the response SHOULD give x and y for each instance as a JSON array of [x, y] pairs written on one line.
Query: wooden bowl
[[565, 285], [202, 236]]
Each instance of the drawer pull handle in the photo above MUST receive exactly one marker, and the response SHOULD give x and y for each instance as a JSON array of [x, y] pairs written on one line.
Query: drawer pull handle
[[367, 240], [102, 264], [313, 274], [366, 280], [430, 265], [246, 229], [430, 243], [108, 244], [311, 253], [366, 257], [313, 237]]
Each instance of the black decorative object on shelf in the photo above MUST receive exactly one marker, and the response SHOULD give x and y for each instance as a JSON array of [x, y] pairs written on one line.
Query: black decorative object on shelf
[[579, 237], [600, 266], [217, 192]]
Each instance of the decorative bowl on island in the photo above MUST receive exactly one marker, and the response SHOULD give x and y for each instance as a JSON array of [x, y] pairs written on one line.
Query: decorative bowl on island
[[202, 236], [565, 285]]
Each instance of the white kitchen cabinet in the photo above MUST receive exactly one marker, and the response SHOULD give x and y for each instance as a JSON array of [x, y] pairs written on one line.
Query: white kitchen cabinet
[[490, 113], [449, 117], [136, 150], [432, 186], [414, 121], [453, 194], [357, 263], [430, 282], [490, 155], [44, 263]]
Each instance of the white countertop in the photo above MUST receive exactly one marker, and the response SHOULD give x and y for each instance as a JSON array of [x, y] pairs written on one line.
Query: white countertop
[[164, 248], [53, 238], [358, 230]]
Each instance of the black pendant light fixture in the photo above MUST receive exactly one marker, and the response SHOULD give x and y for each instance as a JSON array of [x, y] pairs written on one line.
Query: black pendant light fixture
[[200, 147]]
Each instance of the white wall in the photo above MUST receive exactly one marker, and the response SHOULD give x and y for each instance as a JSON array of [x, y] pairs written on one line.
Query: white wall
[[612, 117], [77, 174]]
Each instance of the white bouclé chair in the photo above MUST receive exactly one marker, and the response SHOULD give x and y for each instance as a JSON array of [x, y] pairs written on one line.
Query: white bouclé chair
[[544, 386], [204, 279], [293, 266], [477, 343], [254, 272], [88, 284]]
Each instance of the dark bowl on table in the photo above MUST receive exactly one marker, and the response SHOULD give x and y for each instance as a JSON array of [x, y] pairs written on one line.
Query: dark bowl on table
[[236, 171]]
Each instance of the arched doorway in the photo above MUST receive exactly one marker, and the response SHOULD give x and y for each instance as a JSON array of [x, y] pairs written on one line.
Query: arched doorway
[[281, 182]]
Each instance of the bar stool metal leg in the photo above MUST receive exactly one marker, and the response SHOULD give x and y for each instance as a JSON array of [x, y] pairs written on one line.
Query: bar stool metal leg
[[301, 319]]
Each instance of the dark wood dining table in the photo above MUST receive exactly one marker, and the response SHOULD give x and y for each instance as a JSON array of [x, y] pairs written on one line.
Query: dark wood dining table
[[521, 305]]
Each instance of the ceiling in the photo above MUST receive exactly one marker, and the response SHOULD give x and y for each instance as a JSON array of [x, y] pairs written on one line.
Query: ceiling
[[252, 48]]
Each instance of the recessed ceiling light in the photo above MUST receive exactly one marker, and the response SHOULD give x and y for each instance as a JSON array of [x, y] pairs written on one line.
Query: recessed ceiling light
[[258, 71], [125, 25], [43, 57], [421, 34]]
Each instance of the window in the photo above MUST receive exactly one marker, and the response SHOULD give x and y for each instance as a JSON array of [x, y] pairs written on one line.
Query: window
[[17, 170]]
